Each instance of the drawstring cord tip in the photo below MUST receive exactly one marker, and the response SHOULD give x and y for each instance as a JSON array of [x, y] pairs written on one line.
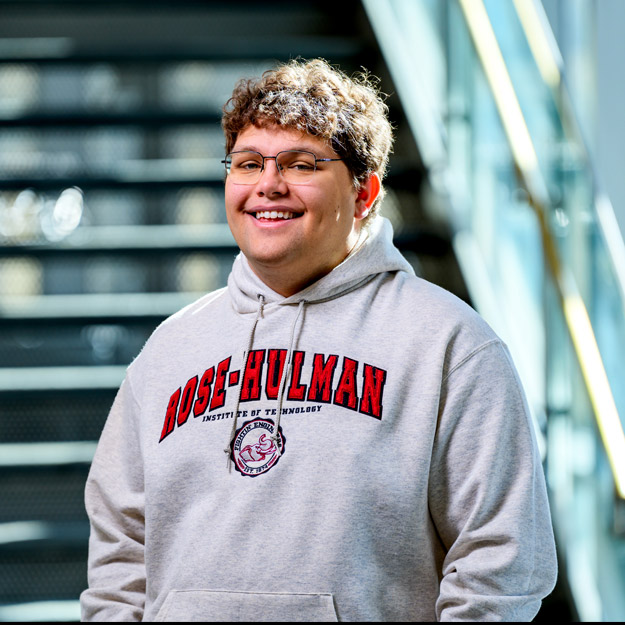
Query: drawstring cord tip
[[274, 438]]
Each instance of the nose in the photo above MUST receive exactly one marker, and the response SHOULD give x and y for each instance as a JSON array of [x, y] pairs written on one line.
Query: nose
[[271, 181]]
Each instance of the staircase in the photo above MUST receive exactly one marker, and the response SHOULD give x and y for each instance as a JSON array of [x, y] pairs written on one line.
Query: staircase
[[112, 218]]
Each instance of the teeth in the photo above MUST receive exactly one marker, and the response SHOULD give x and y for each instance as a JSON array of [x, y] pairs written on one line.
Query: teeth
[[274, 215]]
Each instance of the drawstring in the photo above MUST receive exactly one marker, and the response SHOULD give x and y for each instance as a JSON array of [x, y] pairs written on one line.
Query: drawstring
[[286, 372], [285, 375], [250, 342]]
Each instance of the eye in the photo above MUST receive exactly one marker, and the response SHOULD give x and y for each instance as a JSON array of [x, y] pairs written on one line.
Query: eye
[[297, 162], [302, 166], [249, 165]]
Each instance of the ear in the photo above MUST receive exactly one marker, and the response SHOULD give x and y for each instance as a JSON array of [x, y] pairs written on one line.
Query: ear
[[367, 194]]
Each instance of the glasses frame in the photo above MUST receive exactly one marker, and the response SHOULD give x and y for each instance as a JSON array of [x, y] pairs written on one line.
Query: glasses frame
[[275, 159]]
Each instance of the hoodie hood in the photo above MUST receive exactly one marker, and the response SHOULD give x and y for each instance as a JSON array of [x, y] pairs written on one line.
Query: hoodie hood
[[373, 254]]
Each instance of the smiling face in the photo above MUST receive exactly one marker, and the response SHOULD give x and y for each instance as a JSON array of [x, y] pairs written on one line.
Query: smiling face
[[292, 235]]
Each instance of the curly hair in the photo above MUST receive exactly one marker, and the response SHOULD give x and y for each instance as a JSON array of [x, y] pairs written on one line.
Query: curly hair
[[348, 113]]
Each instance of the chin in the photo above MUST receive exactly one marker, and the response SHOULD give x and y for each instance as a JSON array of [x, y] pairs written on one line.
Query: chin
[[270, 258]]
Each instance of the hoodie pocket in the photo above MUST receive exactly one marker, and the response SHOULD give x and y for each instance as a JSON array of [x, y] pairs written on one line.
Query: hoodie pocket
[[225, 605]]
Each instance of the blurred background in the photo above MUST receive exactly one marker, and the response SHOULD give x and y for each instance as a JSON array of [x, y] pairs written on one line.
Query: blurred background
[[506, 188]]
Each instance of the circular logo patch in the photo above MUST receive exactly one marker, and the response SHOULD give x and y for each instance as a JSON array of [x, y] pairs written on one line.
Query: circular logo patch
[[253, 450]]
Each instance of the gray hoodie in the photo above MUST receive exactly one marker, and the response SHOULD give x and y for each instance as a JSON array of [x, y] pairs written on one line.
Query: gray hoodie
[[380, 461]]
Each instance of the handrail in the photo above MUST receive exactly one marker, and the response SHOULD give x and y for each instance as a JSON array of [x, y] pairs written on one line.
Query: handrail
[[526, 162]]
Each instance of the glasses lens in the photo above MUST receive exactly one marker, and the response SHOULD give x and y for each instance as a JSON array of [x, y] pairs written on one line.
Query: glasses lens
[[296, 166], [244, 167]]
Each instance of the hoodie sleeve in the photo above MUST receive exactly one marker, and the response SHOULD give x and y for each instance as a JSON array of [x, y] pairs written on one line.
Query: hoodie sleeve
[[114, 497], [488, 496]]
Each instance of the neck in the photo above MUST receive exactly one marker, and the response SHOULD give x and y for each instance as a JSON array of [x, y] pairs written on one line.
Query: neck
[[284, 281]]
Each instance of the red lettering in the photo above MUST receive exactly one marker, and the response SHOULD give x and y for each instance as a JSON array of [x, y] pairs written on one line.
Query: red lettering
[[346, 393], [321, 381], [219, 394], [170, 416], [204, 392], [297, 391], [275, 368], [372, 390], [187, 401], [250, 389]]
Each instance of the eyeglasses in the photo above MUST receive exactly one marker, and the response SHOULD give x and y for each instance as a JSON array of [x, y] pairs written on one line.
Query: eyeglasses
[[295, 166]]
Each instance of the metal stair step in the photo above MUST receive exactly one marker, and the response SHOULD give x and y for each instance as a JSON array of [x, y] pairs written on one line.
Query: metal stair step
[[56, 573], [55, 610], [136, 174], [214, 49], [53, 416], [79, 118], [45, 379], [39, 535], [44, 491], [92, 307], [117, 239]]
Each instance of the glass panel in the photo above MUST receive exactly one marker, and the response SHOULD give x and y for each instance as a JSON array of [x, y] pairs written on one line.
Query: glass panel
[[567, 169]]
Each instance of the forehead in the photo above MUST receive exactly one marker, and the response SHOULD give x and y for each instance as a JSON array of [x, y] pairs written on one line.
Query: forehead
[[272, 139]]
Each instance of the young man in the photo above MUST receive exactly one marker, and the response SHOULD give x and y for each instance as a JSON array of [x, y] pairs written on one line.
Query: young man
[[380, 462]]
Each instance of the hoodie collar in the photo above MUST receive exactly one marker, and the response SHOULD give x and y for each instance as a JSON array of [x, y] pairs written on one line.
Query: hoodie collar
[[373, 254]]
